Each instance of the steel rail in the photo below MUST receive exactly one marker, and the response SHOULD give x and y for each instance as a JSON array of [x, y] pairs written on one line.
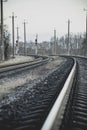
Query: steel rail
[[55, 116], [19, 63]]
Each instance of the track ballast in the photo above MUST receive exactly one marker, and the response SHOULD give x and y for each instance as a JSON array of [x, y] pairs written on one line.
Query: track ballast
[[32, 108]]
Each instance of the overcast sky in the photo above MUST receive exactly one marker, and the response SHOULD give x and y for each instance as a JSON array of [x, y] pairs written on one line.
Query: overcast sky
[[45, 15]]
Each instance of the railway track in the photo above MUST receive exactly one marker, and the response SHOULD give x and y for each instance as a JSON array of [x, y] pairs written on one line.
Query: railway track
[[55, 118], [75, 116], [30, 111], [71, 106], [24, 65], [70, 110], [57, 103]]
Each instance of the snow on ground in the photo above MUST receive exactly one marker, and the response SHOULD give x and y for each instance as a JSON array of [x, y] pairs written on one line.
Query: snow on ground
[[17, 59], [28, 76]]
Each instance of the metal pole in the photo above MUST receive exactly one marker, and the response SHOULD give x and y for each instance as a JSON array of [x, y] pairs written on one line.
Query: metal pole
[[12, 17], [24, 38], [13, 32], [2, 31], [86, 33], [68, 37], [54, 41]]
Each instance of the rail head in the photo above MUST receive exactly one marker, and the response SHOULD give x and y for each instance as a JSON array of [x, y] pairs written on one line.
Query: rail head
[[55, 116]]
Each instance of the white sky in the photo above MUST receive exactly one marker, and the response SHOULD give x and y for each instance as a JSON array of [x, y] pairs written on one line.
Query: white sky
[[45, 15]]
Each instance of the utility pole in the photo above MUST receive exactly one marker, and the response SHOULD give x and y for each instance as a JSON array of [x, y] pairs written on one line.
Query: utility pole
[[54, 41], [68, 36], [86, 32], [24, 37], [2, 30], [13, 31]]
